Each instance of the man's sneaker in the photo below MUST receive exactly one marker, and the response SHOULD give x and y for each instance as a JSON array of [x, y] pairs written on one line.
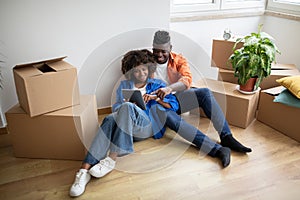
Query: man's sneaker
[[81, 179], [103, 167]]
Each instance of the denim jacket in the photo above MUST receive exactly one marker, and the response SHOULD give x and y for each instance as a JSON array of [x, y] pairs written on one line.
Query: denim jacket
[[152, 85]]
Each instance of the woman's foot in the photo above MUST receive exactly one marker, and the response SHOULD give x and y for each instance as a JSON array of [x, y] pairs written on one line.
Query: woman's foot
[[82, 178], [103, 167]]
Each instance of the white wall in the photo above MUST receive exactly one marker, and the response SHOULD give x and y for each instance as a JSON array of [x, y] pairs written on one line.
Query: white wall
[[286, 32], [33, 30], [287, 35], [204, 31], [94, 34]]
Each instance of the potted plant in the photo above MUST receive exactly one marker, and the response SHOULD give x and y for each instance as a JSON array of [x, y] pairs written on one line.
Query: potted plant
[[252, 62]]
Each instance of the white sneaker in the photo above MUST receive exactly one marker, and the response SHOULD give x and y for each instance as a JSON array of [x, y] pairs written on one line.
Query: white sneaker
[[103, 167], [81, 179]]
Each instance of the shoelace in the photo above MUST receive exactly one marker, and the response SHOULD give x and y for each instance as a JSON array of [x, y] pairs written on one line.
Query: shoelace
[[78, 179], [104, 163]]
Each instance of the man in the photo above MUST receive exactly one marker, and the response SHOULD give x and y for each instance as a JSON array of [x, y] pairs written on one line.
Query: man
[[174, 69]]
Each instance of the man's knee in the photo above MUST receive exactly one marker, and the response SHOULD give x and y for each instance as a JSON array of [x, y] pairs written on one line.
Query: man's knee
[[203, 92]]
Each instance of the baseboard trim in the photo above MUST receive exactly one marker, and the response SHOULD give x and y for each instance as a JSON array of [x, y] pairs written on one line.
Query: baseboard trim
[[102, 111], [3, 131]]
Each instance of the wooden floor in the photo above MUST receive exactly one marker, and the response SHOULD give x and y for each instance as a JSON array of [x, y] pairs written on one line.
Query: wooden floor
[[169, 169]]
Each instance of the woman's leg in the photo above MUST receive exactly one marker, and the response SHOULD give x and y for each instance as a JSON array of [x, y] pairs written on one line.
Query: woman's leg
[[129, 119], [133, 122]]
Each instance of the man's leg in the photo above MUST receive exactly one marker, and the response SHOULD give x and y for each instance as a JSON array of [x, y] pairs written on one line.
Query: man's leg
[[203, 97], [193, 135]]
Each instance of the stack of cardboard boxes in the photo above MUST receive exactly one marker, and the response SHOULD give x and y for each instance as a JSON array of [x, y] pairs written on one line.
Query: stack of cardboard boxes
[[242, 109], [52, 120]]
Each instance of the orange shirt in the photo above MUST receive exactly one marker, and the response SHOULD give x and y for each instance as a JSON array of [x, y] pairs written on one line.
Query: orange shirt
[[179, 70]]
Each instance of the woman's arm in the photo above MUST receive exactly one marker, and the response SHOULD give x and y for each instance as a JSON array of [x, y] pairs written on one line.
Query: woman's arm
[[148, 97]]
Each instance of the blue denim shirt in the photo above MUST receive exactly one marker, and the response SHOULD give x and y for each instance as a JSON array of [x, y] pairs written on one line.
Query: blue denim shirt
[[152, 85]]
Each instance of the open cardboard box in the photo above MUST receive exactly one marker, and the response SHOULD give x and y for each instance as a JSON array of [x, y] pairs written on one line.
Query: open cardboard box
[[278, 71], [239, 109], [62, 134], [46, 86], [277, 115]]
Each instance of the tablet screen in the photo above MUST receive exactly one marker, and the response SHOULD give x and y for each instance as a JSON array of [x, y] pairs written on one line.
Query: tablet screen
[[134, 96]]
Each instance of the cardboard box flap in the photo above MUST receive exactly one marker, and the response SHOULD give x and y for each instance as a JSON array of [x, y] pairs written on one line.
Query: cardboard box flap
[[39, 62], [28, 71], [59, 65], [279, 66], [274, 91]]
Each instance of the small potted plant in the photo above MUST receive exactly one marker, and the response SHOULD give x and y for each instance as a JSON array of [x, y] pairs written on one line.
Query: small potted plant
[[252, 62]]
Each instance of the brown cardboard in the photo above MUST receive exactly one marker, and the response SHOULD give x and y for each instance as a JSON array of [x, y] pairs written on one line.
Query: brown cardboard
[[5, 139], [221, 51], [62, 134], [277, 115], [239, 108], [46, 86], [277, 71]]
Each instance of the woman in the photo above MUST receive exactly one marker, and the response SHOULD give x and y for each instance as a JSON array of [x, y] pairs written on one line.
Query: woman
[[128, 122]]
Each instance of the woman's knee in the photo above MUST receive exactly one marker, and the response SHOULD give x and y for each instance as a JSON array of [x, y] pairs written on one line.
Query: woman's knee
[[126, 106]]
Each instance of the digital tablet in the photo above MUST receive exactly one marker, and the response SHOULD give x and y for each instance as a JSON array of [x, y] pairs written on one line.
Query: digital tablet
[[134, 96]]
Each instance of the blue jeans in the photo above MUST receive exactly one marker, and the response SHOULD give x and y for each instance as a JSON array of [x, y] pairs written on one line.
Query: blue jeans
[[118, 131], [203, 98], [191, 99]]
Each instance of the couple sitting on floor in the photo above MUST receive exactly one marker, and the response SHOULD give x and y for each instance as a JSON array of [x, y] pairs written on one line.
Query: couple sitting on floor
[[164, 79]]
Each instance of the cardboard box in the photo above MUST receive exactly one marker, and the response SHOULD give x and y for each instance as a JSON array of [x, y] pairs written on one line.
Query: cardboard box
[[277, 115], [278, 71], [63, 134], [46, 86], [5, 139], [221, 51], [239, 109]]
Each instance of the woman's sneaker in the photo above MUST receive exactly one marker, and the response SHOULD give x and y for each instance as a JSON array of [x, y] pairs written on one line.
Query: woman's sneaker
[[81, 179], [103, 167]]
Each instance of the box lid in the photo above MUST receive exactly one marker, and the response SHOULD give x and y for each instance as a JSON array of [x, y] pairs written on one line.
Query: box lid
[[42, 67], [279, 66], [274, 91], [222, 88], [40, 62]]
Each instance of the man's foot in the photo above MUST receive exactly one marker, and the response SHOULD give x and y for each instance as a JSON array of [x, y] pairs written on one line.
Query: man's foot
[[81, 179], [224, 154], [233, 144], [103, 167]]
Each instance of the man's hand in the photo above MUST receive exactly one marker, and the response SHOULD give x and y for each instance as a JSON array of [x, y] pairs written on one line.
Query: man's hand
[[148, 97], [162, 92]]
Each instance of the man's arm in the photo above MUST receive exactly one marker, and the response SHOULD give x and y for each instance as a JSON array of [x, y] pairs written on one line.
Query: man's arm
[[175, 87]]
